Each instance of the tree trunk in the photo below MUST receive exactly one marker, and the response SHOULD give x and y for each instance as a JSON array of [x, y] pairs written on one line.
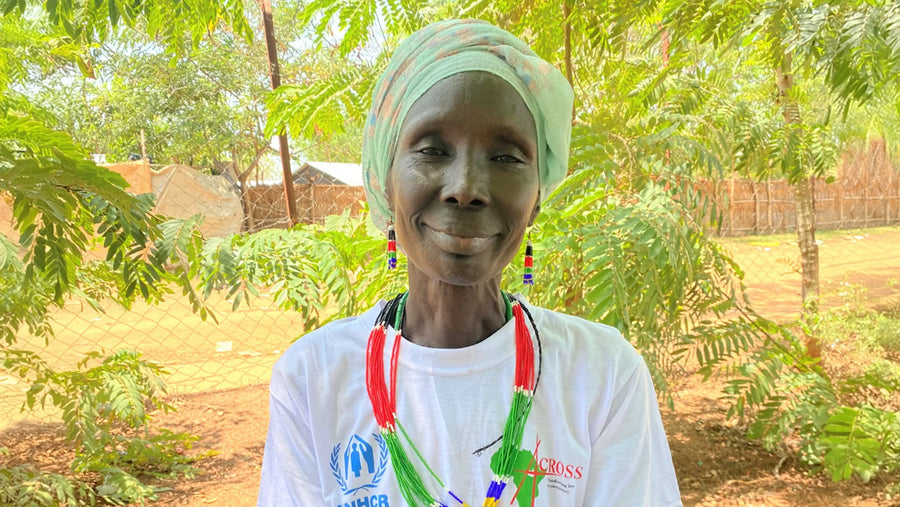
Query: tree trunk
[[803, 196], [567, 42], [275, 75], [143, 146], [809, 250]]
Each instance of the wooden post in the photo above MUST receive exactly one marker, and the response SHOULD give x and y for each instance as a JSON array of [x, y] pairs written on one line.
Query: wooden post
[[886, 195], [718, 200], [769, 205], [731, 203], [897, 173], [756, 211], [275, 76], [143, 146], [840, 196], [867, 177]]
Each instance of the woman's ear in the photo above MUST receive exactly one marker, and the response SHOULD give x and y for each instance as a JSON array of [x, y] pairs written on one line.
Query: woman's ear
[[388, 194], [536, 211]]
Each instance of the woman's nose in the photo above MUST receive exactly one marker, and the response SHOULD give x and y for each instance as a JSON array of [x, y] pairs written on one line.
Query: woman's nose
[[466, 182]]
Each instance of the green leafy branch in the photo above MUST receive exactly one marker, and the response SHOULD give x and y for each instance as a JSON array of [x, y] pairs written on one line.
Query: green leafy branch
[[797, 408], [324, 272], [87, 22], [106, 412]]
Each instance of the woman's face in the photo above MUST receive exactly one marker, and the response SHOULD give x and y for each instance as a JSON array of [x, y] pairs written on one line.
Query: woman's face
[[464, 183]]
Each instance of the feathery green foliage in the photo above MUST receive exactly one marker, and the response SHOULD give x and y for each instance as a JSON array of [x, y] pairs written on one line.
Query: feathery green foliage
[[86, 21], [340, 273], [797, 408], [603, 245], [106, 414], [23, 486], [63, 206], [341, 99], [659, 105], [640, 262], [842, 424]]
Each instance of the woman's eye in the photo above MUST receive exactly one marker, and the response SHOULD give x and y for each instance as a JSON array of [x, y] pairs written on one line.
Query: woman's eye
[[508, 159], [432, 151]]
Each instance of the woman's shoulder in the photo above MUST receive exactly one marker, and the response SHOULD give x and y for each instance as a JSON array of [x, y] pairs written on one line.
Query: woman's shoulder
[[578, 336], [328, 344]]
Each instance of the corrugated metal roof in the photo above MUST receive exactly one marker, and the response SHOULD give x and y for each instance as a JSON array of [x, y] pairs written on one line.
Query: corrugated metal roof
[[348, 174]]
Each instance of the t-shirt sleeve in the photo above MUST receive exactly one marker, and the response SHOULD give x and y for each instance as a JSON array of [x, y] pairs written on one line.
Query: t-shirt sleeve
[[630, 459], [290, 474]]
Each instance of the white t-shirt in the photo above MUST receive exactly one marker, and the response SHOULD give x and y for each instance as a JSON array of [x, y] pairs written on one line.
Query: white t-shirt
[[594, 436]]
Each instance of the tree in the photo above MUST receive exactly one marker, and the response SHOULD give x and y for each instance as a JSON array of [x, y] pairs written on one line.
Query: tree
[[200, 112], [854, 45], [59, 198], [61, 202], [200, 107], [615, 55]]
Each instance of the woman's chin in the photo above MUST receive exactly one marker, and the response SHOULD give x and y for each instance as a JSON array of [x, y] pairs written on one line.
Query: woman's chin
[[456, 269]]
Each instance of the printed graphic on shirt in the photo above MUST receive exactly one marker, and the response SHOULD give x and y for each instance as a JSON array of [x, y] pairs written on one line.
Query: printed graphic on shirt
[[526, 476], [358, 466], [530, 469]]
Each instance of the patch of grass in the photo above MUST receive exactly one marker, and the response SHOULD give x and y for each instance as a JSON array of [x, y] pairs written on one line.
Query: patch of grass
[[887, 335], [870, 330], [863, 354]]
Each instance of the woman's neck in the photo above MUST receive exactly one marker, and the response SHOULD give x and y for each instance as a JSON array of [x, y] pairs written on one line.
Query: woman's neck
[[441, 315]]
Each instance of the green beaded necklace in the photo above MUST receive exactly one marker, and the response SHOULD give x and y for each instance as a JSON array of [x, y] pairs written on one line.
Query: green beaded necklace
[[384, 405]]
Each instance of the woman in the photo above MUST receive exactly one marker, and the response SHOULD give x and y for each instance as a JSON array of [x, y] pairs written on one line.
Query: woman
[[457, 393]]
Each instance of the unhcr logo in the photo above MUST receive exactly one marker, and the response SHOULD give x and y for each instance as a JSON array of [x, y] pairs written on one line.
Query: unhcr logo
[[358, 467]]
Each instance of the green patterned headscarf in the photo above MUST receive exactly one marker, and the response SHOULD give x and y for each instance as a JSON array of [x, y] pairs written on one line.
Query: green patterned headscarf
[[450, 47]]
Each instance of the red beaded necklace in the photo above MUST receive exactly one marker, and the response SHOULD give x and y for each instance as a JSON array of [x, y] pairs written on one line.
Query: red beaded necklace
[[384, 405]]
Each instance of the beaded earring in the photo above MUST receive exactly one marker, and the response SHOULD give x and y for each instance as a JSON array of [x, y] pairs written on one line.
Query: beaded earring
[[528, 278], [392, 247]]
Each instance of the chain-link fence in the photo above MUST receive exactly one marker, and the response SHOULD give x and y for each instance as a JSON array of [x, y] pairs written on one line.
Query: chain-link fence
[[239, 347], [856, 267], [235, 348], [857, 216]]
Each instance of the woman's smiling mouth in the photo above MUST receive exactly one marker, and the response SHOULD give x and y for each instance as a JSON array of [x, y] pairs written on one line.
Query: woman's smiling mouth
[[459, 243]]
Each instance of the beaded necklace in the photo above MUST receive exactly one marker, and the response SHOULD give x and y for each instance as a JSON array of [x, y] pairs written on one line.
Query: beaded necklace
[[384, 405]]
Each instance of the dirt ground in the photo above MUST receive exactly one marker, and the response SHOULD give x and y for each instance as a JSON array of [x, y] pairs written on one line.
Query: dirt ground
[[853, 265], [714, 462]]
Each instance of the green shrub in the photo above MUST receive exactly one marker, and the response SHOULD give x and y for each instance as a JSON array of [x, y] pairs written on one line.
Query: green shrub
[[887, 335], [106, 414], [860, 440], [638, 262], [23, 486], [868, 329], [830, 422]]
